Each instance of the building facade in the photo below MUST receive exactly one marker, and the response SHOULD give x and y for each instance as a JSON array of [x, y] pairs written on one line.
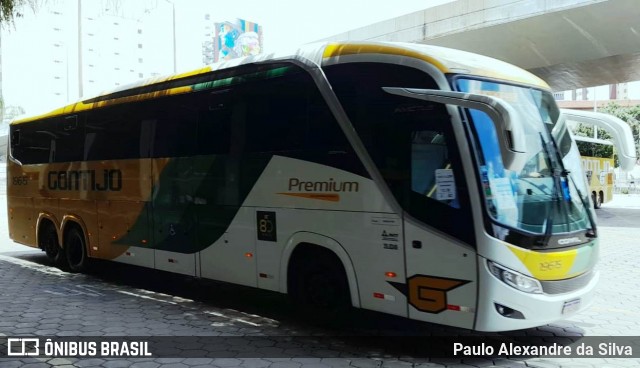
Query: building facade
[[70, 49]]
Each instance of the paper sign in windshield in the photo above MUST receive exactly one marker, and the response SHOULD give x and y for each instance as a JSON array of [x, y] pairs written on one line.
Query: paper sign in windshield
[[504, 200], [446, 185]]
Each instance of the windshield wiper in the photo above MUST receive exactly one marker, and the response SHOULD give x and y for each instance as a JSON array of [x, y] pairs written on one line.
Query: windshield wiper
[[591, 233], [557, 172]]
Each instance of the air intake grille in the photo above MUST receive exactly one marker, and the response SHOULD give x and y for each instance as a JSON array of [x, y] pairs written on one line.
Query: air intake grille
[[566, 286]]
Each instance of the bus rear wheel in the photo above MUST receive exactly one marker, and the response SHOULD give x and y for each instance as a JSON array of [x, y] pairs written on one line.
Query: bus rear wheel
[[48, 239], [75, 250]]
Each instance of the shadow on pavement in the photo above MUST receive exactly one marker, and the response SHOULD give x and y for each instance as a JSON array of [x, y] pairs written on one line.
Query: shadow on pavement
[[618, 217], [362, 329]]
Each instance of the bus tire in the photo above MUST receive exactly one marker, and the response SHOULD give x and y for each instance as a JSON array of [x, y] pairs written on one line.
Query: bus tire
[[75, 249], [597, 203], [48, 242], [318, 283]]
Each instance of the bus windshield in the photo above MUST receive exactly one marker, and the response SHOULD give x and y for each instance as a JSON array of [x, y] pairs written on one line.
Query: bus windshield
[[540, 197]]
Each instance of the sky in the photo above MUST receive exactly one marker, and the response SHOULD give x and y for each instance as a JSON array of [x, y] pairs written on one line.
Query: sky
[[285, 23]]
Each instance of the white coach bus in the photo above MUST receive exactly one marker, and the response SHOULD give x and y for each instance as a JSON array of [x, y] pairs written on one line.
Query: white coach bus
[[407, 179]]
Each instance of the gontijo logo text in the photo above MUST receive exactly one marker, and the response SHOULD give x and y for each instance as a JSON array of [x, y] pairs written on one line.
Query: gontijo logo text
[[108, 180], [323, 190]]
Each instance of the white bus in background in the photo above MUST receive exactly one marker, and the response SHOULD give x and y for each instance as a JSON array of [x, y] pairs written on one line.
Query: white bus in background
[[599, 168]]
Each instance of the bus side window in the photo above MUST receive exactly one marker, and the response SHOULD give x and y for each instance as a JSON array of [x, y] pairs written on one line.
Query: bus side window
[[323, 133], [70, 122], [175, 131], [214, 122], [112, 133], [69, 134], [15, 138], [276, 116], [31, 142]]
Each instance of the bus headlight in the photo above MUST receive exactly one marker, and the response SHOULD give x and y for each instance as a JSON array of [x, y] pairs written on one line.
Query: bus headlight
[[515, 279]]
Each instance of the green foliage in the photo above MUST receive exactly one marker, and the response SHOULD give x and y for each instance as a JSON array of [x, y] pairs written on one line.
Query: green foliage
[[12, 111], [593, 149], [631, 115], [9, 9]]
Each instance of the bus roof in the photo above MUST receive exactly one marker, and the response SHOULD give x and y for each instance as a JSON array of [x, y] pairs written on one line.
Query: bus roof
[[448, 61]]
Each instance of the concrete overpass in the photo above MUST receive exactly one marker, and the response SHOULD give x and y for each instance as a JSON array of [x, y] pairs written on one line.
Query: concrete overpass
[[569, 43]]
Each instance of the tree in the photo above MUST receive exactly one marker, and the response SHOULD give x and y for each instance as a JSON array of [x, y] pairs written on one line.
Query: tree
[[13, 111], [593, 149], [630, 115], [9, 9]]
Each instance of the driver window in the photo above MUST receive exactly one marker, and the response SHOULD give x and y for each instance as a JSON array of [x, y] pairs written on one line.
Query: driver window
[[431, 171]]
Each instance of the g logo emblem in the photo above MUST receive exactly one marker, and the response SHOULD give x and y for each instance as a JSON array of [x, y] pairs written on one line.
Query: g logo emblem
[[429, 293]]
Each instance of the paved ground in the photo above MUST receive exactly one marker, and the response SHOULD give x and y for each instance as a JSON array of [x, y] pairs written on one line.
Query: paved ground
[[38, 300]]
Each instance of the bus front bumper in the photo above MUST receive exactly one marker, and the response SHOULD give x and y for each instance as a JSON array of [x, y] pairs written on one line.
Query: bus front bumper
[[504, 308]]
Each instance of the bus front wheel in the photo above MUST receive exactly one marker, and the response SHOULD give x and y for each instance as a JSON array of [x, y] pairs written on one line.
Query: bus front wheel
[[318, 283], [75, 250]]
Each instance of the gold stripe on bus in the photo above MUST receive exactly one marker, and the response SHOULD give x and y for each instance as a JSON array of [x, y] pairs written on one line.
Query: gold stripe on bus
[[548, 265], [320, 196], [80, 106], [145, 96], [337, 49]]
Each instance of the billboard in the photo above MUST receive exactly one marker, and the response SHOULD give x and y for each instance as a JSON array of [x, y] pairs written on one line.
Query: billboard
[[237, 39]]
